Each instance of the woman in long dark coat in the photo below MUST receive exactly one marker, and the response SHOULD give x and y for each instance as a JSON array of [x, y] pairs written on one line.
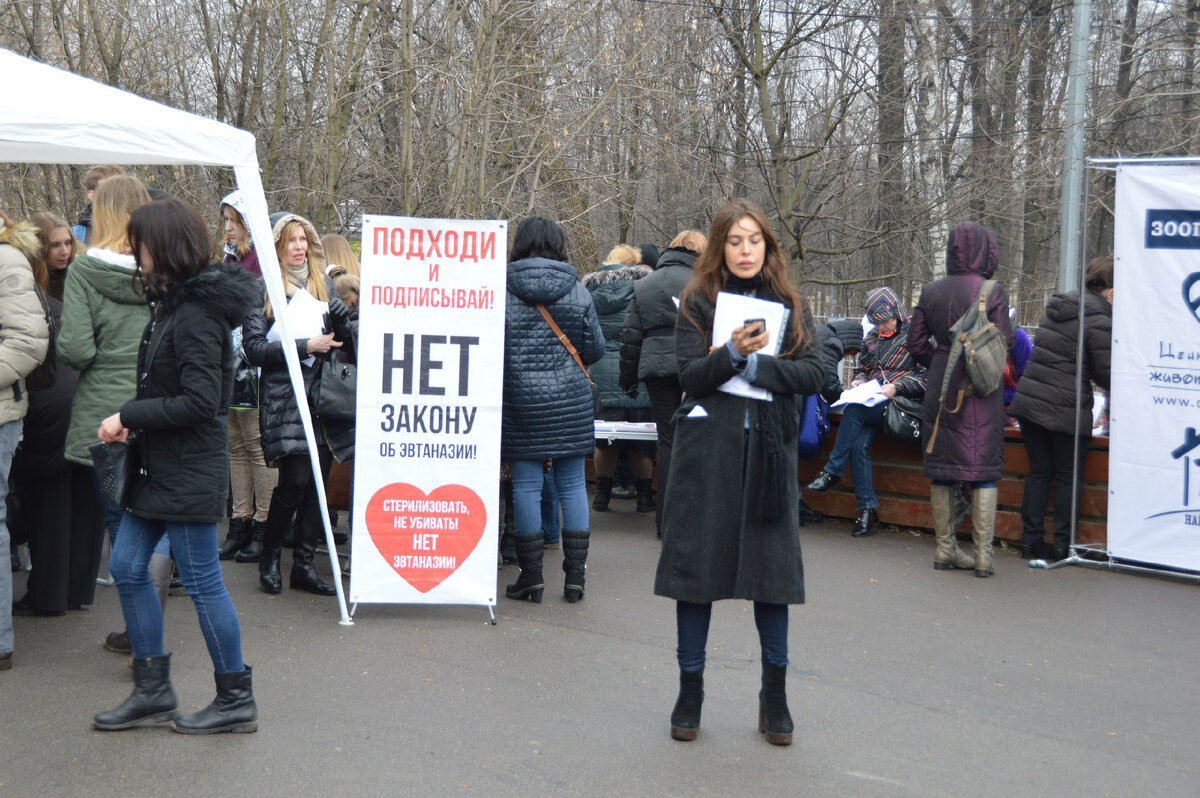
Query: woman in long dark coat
[[729, 523], [969, 446]]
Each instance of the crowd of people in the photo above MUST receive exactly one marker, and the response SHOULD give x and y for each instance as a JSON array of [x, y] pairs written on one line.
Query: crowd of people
[[160, 343]]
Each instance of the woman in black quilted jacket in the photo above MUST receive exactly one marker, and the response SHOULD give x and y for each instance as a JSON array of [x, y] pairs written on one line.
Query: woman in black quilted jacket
[[1045, 405], [184, 382], [548, 402]]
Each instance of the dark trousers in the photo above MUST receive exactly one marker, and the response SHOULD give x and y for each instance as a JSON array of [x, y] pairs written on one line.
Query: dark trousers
[[65, 520], [296, 492], [1051, 457], [665, 398], [691, 626]]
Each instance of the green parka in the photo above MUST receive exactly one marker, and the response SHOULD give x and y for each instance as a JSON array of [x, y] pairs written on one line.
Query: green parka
[[104, 317]]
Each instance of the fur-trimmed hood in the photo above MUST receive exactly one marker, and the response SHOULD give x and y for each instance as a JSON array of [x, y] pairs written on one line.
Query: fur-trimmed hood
[[611, 273], [22, 237], [223, 289]]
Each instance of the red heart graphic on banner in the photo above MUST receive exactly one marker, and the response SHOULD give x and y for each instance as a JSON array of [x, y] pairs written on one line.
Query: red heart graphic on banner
[[425, 537]]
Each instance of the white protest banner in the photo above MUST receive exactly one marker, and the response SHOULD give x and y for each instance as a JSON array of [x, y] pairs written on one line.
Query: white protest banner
[[427, 451], [1154, 454]]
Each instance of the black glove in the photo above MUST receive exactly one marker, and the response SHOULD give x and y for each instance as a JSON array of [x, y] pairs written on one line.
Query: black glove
[[630, 390], [339, 314]]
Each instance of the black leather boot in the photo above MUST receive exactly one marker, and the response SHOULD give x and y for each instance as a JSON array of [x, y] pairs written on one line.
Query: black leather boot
[[235, 539], [253, 549], [867, 519], [774, 720], [152, 701], [233, 710], [575, 551], [304, 573], [685, 718], [269, 578], [645, 495], [603, 494], [823, 481], [529, 555], [808, 515]]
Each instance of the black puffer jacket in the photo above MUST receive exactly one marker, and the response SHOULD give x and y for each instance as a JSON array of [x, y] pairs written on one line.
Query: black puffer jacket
[[1046, 392], [547, 399], [278, 415], [185, 380], [832, 352], [648, 335]]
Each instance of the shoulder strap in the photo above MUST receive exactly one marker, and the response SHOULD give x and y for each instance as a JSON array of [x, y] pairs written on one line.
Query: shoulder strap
[[563, 339], [985, 291]]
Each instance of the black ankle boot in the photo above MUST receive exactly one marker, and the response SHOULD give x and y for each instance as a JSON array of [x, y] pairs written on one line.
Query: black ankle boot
[[529, 555], [823, 481], [685, 718], [253, 548], [304, 573], [774, 720], [575, 551], [152, 701], [233, 710], [645, 495], [866, 521], [603, 494], [235, 539], [269, 578], [810, 516]]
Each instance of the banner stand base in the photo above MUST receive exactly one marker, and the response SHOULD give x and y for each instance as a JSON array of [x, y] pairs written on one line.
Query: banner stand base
[[1112, 563], [347, 621]]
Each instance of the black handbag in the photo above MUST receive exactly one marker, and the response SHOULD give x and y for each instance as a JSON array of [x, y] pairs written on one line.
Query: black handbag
[[902, 420], [116, 466], [333, 390]]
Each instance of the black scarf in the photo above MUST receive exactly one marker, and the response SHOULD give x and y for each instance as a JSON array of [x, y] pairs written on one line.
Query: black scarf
[[777, 423]]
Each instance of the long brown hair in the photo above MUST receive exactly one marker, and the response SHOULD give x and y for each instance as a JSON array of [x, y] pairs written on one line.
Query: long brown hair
[[709, 272]]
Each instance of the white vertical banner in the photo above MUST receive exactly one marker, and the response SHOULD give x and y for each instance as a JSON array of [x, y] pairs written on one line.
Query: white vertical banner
[[427, 450], [1154, 455]]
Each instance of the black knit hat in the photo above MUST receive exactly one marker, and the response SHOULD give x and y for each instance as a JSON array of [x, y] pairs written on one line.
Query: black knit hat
[[649, 254]]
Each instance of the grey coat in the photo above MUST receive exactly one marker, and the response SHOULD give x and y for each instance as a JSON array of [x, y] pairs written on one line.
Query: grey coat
[[712, 547]]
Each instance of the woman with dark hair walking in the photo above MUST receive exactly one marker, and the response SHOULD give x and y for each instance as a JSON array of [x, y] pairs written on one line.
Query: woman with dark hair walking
[[185, 379], [548, 403], [730, 519]]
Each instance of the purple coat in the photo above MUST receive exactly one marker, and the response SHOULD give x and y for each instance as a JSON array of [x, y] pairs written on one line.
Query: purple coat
[[970, 444]]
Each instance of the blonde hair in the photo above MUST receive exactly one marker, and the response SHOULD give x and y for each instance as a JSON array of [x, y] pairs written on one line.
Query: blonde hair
[[339, 251], [624, 254], [315, 282], [116, 197], [692, 240], [344, 283]]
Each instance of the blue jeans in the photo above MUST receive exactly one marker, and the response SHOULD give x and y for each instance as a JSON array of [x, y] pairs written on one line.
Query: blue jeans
[[551, 513], [569, 481], [112, 519], [195, 549], [853, 443], [691, 625], [10, 436]]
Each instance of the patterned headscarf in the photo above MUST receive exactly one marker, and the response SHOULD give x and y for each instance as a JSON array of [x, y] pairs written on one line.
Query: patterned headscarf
[[883, 304]]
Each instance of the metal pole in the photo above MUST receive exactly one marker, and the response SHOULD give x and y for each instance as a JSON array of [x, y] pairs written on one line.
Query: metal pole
[[1069, 236]]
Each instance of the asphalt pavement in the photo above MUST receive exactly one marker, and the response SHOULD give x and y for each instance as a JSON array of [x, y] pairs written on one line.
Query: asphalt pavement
[[904, 681]]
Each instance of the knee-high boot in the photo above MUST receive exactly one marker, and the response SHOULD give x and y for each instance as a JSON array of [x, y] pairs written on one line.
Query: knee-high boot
[[983, 515], [304, 571], [948, 554], [153, 699], [529, 584], [575, 551], [774, 719]]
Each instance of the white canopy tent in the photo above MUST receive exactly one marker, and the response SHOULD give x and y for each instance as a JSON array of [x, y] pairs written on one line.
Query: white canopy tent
[[102, 124]]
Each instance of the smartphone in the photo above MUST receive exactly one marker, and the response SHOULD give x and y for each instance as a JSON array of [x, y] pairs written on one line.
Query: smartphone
[[762, 323]]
